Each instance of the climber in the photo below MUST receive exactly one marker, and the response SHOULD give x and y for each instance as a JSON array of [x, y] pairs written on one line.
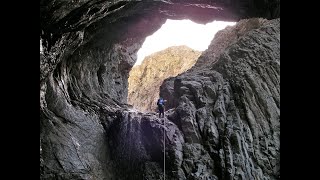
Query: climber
[[160, 104]]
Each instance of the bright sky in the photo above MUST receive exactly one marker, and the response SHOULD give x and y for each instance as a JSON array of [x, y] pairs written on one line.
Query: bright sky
[[181, 32], [41, 49]]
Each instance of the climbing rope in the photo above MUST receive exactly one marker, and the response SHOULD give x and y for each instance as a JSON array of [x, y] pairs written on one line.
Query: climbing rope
[[164, 149]]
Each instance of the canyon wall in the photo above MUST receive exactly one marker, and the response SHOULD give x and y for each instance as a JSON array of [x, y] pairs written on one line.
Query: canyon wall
[[225, 120], [145, 79]]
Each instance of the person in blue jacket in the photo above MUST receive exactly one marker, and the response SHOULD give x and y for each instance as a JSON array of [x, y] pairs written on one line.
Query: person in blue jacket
[[160, 104]]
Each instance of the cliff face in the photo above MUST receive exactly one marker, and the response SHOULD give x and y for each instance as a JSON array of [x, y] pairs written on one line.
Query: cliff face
[[229, 106], [145, 79], [225, 121], [222, 40]]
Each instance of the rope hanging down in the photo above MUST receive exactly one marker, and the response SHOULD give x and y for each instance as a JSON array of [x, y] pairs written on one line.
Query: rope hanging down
[[164, 149]]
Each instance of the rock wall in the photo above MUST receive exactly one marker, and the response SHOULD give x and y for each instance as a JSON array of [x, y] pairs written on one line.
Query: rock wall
[[226, 124], [84, 41], [145, 79], [66, 26], [230, 109], [222, 40]]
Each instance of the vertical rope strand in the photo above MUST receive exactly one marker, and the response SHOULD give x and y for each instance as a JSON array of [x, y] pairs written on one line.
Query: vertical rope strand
[[164, 149]]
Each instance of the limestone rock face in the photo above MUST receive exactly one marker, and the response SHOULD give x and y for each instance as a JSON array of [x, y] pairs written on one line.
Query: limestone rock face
[[145, 79]]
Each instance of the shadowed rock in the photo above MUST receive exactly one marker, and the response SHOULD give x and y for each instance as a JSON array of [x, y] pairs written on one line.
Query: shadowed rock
[[232, 106], [225, 121]]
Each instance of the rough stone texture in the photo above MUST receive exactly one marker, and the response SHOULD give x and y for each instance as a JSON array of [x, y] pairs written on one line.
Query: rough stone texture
[[89, 48], [218, 45], [225, 38], [232, 106], [66, 25], [145, 79], [138, 143]]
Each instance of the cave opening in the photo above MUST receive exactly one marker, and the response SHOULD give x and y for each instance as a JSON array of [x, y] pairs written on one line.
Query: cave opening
[[169, 51], [87, 49]]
